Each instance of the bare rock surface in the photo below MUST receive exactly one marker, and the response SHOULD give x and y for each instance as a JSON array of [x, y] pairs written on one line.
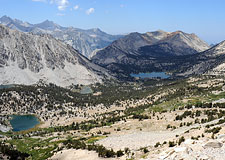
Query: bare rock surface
[[4, 128], [27, 58], [213, 144], [72, 154], [193, 150]]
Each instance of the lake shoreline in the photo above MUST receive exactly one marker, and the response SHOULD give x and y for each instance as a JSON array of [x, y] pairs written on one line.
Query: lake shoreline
[[151, 75], [35, 119]]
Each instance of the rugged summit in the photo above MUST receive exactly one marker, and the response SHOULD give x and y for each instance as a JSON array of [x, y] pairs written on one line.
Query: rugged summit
[[26, 58], [136, 50], [216, 50], [211, 61], [85, 41]]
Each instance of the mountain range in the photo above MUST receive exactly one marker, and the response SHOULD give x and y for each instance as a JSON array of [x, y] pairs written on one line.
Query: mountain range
[[150, 51], [26, 58], [30, 53], [85, 41]]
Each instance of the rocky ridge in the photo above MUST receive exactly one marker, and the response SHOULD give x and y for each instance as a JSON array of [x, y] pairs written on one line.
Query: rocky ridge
[[211, 61], [150, 51], [85, 41], [27, 58]]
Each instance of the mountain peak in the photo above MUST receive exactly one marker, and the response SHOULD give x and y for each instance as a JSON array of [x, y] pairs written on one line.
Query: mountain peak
[[159, 34], [222, 43], [5, 19], [96, 30], [161, 31], [178, 31], [47, 22], [218, 49], [219, 45], [83, 40], [134, 34], [43, 57], [48, 25], [134, 49]]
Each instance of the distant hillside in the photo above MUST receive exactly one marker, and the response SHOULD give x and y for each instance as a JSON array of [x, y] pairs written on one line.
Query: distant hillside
[[148, 52], [85, 41], [211, 61]]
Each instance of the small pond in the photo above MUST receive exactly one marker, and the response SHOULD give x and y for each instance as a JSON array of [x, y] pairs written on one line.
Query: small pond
[[86, 90], [23, 122], [6, 86], [161, 75]]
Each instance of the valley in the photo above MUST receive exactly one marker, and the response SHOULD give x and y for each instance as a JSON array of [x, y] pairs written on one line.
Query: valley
[[150, 52], [140, 121]]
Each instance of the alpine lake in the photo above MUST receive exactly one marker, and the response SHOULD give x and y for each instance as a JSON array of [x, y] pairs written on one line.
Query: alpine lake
[[23, 122], [161, 75]]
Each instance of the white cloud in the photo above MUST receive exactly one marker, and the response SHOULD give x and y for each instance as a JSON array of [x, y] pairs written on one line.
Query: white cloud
[[62, 4], [61, 8], [90, 11], [76, 7]]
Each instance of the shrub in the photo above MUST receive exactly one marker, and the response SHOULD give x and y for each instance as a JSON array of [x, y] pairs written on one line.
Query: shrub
[[157, 144], [168, 126], [171, 144], [182, 139], [127, 150], [105, 153], [214, 130], [119, 153], [145, 150]]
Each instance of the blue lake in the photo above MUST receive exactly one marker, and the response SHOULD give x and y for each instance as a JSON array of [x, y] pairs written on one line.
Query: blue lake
[[162, 75], [6, 86], [23, 122], [86, 90]]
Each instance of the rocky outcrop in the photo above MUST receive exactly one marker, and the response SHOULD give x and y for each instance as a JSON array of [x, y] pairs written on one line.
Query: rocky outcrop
[[192, 150], [4, 128], [213, 144]]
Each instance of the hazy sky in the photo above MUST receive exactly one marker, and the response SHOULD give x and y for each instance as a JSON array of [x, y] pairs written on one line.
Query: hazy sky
[[206, 18]]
